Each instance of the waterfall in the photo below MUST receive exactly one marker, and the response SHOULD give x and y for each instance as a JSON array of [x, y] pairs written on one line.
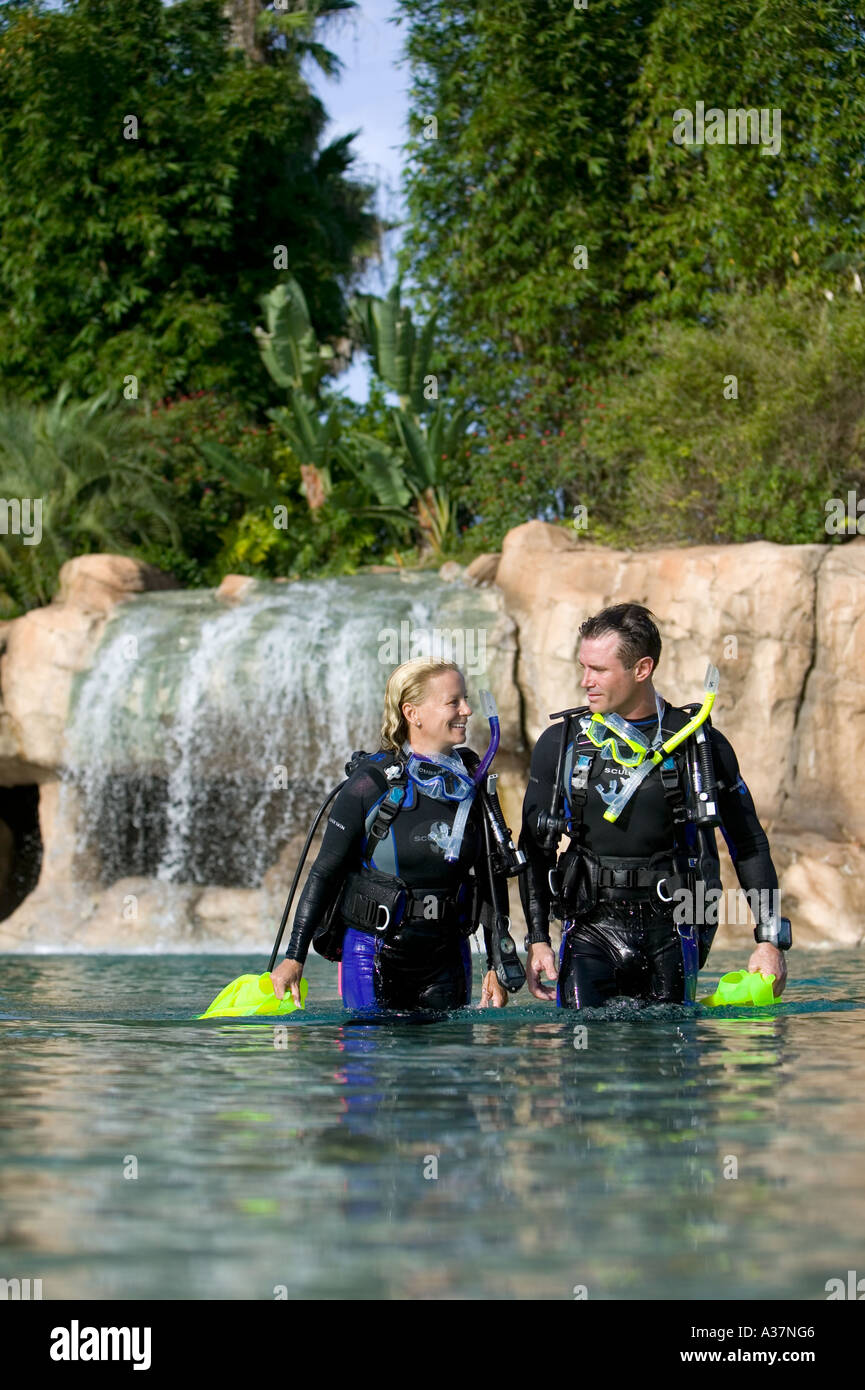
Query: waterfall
[[205, 733]]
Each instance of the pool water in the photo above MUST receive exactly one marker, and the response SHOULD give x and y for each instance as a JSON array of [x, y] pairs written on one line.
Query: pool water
[[659, 1152]]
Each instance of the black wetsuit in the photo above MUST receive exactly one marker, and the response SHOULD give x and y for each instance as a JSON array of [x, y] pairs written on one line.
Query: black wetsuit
[[420, 961], [629, 942]]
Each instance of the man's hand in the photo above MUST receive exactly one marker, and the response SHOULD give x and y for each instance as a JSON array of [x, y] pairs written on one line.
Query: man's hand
[[493, 993], [287, 976], [770, 961], [541, 961]]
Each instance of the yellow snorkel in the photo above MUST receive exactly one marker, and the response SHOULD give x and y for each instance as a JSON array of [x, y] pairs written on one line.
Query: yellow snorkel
[[653, 757]]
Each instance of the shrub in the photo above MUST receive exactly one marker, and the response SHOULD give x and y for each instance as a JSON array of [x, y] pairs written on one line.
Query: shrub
[[699, 468]]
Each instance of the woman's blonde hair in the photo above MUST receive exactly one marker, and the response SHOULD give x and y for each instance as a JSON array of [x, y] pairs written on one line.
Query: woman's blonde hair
[[407, 685]]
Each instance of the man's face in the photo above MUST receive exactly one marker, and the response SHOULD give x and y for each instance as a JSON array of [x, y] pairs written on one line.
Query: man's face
[[608, 685]]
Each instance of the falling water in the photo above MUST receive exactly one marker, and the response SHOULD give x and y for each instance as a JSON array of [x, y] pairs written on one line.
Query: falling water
[[205, 734]]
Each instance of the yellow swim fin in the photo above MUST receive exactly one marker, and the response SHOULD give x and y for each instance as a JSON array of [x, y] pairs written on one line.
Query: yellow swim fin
[[742, 987], [252, 994]]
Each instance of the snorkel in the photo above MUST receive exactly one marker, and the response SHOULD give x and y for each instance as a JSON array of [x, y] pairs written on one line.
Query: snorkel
[[491, 713], [657, 755], [490, 709]]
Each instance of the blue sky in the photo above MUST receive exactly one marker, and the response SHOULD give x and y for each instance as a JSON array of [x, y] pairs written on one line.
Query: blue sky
[[371, 98]]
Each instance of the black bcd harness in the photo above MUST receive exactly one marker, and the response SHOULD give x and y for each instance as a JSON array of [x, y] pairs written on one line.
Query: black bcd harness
[[379, 903], [581, 878]]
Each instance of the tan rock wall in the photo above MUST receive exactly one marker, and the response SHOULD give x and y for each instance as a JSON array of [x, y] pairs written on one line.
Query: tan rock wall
[[785, 625], [748, 608], [47, 647], [97, 582], [827, 787]]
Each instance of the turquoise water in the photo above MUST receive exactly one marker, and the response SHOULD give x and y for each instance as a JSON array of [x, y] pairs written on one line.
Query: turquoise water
[[301, 1160]]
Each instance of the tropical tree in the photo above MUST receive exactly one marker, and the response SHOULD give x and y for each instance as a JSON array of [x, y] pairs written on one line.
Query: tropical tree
[[269, 34], [399, 355], [351, 470], [431, 449], [84, 468], [430, 436], [403, 480], [152, 181], [551, 211]]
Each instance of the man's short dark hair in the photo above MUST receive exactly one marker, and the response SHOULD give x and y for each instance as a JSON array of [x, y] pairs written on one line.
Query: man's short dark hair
[[637, 633]]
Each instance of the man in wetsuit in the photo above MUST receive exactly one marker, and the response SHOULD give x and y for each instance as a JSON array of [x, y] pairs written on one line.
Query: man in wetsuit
[[623, 931]]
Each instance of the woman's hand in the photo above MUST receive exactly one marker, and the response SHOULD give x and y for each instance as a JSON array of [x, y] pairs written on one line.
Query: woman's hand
[[493, 994], [287, 976]]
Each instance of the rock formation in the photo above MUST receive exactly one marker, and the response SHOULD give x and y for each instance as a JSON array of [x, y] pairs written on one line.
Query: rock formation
[[785, 625]]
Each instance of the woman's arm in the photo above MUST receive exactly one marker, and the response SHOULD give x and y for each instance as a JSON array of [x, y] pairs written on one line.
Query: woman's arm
[[339, 852]]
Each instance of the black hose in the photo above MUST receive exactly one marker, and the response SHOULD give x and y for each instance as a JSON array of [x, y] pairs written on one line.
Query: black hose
[[702, 775], [494, 892], [300, 863], [707, 767], [550, 838], [514, 978]]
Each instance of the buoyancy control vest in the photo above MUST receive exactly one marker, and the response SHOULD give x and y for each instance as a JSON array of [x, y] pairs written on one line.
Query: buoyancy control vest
[[686, 778], [377, 901], [382, 902]]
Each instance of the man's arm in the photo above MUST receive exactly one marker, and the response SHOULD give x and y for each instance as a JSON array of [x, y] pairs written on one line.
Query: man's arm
[[749, 850], [746, 839], [534, 883]]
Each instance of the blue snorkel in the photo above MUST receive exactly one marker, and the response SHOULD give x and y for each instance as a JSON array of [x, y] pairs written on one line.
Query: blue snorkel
[[508, 859], [490, 709]]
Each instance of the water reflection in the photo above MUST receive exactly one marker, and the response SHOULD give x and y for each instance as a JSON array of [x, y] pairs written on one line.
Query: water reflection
[[659, 1154]]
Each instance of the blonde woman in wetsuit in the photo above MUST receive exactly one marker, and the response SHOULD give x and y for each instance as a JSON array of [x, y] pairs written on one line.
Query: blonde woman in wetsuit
[[411, 884]]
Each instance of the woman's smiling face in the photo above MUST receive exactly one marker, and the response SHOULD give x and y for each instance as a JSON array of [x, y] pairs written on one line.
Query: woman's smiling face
[[437, 724]]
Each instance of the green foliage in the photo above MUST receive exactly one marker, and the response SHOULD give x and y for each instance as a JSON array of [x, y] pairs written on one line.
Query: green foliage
[[430, 449], [527, 461], [427, 435], [400, 356], [142, 256], [555, 129], [721, 218], [238, 498], [341, 466], [207, 498], [379, 469], [530, 160], [329, 541], [600, 387], [291, 30], [289, 348], [689, 466], [86, 462], [388, 469]]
